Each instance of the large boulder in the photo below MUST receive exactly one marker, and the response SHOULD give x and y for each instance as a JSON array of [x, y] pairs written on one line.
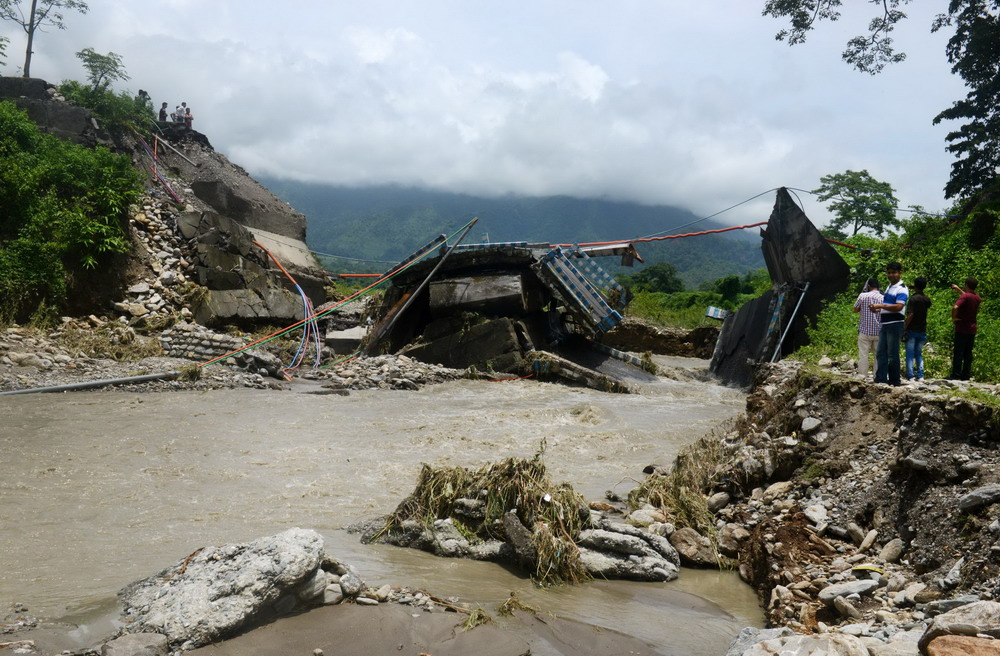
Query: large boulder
[[695, 549], [979, 618], [824, 644], [620, 551], [218, 591]]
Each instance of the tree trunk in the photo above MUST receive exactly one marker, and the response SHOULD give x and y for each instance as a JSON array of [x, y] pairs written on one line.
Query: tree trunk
[[31, 37]]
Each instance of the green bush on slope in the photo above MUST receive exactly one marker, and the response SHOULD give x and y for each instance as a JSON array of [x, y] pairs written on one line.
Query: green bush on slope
[[62, 207]]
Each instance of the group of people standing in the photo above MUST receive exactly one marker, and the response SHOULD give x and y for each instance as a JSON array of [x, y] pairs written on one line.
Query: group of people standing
[[181, 114], [894, 316]]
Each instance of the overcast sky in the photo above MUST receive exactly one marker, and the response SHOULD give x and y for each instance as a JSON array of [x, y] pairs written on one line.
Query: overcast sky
[[692, 104]]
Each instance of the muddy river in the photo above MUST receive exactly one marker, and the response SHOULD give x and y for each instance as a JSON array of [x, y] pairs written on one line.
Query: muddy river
[[101, 488]]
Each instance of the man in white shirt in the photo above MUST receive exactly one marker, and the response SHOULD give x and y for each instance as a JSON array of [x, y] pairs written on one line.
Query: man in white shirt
[[893, 321]]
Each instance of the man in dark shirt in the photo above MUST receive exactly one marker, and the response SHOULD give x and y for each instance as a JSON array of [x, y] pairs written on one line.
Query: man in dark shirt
[[963, 315], [916, 329]]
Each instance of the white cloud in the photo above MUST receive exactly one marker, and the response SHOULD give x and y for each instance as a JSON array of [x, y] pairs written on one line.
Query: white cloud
[[695, 106]]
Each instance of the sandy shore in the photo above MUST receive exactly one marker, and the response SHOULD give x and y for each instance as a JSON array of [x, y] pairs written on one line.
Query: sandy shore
[[350, 630]]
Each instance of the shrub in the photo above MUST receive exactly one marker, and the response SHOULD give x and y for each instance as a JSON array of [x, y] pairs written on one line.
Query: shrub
[[62, 205]]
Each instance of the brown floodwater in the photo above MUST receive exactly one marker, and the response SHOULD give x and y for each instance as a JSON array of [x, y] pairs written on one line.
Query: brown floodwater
[[100, 488]]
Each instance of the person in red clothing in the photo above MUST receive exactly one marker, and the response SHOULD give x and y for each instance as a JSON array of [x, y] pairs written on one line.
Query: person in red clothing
[[963, 315]]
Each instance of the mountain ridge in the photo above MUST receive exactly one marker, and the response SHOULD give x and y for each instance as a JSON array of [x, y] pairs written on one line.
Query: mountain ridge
[[386, 223]]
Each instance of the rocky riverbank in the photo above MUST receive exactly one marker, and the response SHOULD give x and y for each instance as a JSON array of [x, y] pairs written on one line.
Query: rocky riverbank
[[862, 514]]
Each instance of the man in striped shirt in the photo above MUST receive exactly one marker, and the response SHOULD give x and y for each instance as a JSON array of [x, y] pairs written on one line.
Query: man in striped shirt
[[891, 333], [868, 324]]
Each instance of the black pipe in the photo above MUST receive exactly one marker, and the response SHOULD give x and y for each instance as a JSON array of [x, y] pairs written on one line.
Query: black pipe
[[96, 383]]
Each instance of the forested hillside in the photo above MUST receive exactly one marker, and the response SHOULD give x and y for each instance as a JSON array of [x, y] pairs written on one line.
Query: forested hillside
[[388, 223]]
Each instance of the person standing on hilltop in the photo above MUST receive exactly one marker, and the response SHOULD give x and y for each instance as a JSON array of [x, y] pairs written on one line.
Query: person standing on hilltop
[[963, 316], [188, 117], [163, 113], [916, 329], [891, 332], [868, 324]]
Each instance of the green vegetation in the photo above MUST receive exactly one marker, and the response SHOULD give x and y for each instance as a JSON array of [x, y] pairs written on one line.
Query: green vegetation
[[681, 493], [686, 309], [945, 250], [860, 202], [554, 514], [63, 207], [115, 110]]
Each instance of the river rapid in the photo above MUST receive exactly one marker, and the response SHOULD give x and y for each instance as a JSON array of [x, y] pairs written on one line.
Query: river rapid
[[102, 488]]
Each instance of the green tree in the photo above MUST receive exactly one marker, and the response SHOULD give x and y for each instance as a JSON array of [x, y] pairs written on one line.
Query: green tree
[[659, 277], [40, 14], [973, 54], [102, 70], [3, 49], [859, 202], [972, 51]]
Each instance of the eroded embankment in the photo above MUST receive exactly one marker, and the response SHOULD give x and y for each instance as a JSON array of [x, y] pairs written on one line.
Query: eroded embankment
[[852, 506]]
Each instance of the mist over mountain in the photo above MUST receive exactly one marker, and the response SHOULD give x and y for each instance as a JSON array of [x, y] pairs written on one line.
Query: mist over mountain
[[387, 223]]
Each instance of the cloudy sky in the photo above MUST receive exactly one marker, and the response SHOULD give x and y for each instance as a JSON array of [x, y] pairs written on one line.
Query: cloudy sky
[[692, 104]]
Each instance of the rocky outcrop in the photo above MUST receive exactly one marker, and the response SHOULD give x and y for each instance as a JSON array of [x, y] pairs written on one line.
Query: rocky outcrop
[[48, 109]]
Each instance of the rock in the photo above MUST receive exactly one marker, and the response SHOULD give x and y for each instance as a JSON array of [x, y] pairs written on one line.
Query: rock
[[847, 588], [776, 490], [751, 635], [902, 643], [694, 548], [718, 501], [730, 538], [950, 645], [622, 551], [351, 583], [646, 516], [892, 550], [981, 617], [520, 539], [868, 541], [219, 590], [137, 644], [825, 644], [944, 605], [855, 533], [979, 498], [810, 424], [333, 595], [845, 608], [312, 588], [816, 513]]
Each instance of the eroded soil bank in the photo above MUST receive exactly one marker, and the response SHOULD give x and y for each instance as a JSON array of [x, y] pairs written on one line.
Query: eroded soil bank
[[859, 511]]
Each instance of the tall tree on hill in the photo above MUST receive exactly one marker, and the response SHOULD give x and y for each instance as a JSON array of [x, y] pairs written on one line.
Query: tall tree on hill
[[859, 202], [40, 14], [972, 51]]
